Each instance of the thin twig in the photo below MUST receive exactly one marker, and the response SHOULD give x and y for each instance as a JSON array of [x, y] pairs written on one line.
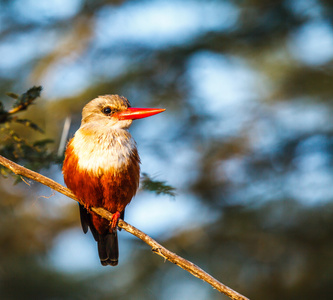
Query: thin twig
[[156, 247], [64, 136]]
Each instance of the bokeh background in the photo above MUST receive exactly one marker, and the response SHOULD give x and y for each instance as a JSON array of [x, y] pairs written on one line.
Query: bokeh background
[[247, 141]]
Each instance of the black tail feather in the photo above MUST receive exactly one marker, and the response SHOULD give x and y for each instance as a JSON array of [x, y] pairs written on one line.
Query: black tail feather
[[107, 243], [108, 248]]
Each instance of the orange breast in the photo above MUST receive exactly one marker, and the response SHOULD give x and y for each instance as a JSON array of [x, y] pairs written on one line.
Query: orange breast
[[112, 190]]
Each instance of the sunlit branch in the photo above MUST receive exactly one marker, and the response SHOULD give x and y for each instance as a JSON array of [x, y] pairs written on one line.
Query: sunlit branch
[[156, 247]]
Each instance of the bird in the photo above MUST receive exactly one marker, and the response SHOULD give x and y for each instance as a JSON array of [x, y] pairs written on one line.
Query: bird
[[102, 167]]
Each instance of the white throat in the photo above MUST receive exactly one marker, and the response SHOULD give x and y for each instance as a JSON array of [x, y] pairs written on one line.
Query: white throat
[[99, 152]]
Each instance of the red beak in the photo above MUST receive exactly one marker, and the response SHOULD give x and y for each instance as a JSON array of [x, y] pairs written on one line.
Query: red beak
[[132, 113]]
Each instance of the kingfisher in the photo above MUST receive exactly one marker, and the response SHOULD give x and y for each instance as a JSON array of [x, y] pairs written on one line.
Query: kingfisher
[[102, 167]]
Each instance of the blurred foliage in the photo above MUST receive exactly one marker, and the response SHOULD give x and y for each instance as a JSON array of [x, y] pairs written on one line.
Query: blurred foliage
[[259, 170], [16, 147], [156, 186]]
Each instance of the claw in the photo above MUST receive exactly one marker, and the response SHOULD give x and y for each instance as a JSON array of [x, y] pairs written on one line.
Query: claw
[[114, 220]]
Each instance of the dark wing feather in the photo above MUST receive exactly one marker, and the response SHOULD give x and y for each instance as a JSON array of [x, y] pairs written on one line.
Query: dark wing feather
[[86, 222]]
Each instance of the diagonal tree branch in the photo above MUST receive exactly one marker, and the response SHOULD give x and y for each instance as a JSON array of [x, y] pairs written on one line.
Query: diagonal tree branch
[[156, 247]]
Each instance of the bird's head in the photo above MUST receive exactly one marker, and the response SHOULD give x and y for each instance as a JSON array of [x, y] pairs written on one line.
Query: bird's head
[[114, 112]]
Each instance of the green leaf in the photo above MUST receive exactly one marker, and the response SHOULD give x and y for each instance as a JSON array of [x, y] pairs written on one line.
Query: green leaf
[[3, 171], [13, 95], [43, 142], [28, 97], [156, 186], [30, 124]]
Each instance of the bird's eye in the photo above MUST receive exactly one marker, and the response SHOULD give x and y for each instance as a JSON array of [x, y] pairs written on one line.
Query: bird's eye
[[107, 110]]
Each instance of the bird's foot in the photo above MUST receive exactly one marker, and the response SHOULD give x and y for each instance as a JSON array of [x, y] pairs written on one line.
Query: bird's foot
[[114, 220]]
